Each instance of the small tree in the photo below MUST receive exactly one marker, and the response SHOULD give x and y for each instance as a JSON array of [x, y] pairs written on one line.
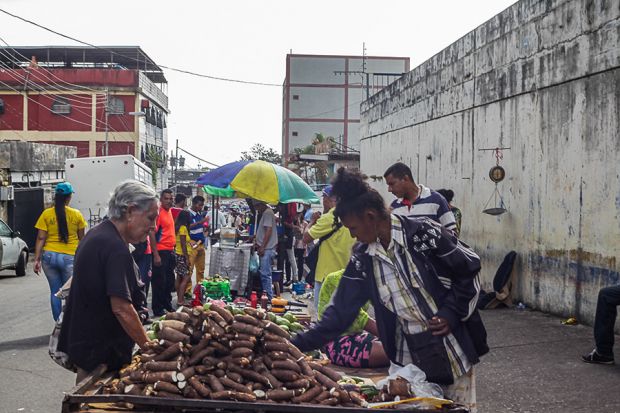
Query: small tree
[[259, 152]]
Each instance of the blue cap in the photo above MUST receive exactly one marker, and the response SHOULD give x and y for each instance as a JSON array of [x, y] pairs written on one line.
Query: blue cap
[[64, 188], [327, 191]]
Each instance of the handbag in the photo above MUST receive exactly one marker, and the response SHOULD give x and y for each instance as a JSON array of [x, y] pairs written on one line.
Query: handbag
[[429, 354], [61, 358], [312, 259]]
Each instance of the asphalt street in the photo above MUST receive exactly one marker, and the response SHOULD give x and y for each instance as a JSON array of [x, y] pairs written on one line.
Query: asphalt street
[[533, 365]]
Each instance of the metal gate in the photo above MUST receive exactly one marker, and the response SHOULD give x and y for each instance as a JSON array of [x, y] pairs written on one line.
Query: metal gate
[[24, 212]]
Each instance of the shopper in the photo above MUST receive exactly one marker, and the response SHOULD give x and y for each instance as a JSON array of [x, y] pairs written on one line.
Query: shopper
[[336, 244], [101, 323], [60, 228], [604, 322], [359, 346], [163, 241], [197, 237], [180, 203], [183, 253], [300, 247], [448, 194], [265, 242], [416, 200], [423, 285]]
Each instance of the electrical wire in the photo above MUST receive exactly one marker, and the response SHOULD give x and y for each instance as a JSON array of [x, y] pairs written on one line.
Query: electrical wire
[[49, 109], [224, 79], [73, 85], [199, 158]]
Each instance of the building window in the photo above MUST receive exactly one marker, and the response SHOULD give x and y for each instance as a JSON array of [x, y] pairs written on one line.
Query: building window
[[1, 106], [61, 106], [295, 133], [295, 97], [116, 106]]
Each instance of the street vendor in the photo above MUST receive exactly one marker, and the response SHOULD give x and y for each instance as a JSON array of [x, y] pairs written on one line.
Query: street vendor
[[422, 282], [101, 325]]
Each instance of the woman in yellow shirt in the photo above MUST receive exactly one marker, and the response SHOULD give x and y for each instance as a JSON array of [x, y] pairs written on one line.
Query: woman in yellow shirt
[[60, 229], [182, 251]]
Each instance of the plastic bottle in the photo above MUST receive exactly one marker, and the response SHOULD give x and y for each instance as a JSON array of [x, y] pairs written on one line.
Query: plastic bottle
[[264, 301], [253, 299]]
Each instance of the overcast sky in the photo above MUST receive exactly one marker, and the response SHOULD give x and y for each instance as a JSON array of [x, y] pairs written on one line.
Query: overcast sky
[[245, 40]]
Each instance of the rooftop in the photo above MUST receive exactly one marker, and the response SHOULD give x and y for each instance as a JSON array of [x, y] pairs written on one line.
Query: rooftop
[[109, 57]]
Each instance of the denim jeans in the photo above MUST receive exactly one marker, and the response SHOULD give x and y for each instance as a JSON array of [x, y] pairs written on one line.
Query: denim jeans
[[317, 291], [265, 272], [606, 312], [58, 268]]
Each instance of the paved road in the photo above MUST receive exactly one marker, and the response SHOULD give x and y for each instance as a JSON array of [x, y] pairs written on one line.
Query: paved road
[[533, 365], [29, 380]]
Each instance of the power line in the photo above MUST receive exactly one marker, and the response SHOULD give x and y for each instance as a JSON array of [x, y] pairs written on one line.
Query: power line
[[188, 72], [199, 158]]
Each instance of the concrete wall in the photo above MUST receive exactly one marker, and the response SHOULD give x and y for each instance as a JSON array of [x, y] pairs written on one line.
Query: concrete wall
[[543, 78]]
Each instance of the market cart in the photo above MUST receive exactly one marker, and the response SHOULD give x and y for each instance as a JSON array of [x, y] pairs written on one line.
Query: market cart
[[232, 263]]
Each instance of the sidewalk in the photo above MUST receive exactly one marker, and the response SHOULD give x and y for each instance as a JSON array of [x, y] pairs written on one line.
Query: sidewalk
[[534, 366]]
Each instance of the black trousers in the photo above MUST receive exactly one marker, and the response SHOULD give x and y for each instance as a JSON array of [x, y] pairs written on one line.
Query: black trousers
[[606, 312], [162, 283], [299, 258]]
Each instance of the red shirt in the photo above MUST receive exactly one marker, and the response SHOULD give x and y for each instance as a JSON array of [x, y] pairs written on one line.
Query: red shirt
[[164, 230], [175, 212]]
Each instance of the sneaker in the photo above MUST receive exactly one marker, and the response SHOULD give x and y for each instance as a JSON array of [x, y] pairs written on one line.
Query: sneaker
[[595, 358]]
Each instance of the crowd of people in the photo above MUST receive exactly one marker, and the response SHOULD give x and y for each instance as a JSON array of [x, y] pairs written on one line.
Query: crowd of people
[[405, 259]]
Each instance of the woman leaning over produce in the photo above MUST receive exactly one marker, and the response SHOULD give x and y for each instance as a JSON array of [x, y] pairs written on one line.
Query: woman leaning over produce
[[101, 325], [59, 230], [422, 282]]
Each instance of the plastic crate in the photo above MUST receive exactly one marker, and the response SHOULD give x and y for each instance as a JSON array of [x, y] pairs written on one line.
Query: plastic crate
[[217, 289]]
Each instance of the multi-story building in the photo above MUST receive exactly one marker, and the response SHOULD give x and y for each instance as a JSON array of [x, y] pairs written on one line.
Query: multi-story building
[[103, 101], [322, 94]]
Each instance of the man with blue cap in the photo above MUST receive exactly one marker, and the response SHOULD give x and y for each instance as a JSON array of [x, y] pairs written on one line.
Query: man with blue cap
[[335, 242]]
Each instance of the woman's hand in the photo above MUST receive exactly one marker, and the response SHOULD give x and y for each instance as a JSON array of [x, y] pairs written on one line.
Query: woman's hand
[[439, 326], [37, 265]]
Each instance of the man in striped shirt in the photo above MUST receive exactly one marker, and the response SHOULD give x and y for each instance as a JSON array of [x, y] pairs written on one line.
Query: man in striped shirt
[[416, 200]]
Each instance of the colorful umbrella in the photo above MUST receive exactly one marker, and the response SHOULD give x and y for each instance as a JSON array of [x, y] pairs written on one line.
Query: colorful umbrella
[[260, 180]]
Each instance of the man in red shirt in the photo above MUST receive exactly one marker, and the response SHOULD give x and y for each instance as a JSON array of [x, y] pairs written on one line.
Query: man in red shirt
[[162, 243], [179, 205]]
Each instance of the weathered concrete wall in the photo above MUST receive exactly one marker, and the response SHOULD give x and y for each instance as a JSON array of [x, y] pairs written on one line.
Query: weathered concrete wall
[[543, 78], [30, 156]]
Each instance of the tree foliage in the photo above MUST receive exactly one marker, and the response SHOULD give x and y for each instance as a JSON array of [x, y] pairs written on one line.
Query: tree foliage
[[259, 152]]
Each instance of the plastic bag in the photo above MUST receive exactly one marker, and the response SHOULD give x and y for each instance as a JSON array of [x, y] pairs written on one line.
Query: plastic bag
[[416, 378], [254, 262]]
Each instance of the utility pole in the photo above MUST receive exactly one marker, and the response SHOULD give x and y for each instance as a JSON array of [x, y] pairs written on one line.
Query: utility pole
[[107, 112], [176, 164]]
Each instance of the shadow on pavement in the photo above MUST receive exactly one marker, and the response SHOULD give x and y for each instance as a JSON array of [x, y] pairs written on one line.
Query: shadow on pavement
[[26, 343]]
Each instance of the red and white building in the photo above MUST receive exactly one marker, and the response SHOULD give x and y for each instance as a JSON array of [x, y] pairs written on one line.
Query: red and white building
[[323, 93], [103, 101]]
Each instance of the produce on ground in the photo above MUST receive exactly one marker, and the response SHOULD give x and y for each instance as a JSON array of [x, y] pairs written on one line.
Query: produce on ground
[[219, 353]]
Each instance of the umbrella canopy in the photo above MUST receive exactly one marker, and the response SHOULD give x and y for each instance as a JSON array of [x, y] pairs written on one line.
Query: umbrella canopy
[[260, 180]]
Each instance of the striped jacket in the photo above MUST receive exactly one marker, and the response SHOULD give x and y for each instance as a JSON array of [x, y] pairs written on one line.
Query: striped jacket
[[449, 271], [429, 204]]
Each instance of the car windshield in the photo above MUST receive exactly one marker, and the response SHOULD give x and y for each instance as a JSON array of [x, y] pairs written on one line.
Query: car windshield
[[5, 231]]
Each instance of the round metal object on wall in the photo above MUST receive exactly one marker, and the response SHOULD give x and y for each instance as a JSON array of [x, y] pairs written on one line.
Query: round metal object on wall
[[494, 211], [497, 174]]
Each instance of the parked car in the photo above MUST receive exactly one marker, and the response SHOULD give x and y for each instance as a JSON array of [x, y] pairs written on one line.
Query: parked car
[[14, 251]]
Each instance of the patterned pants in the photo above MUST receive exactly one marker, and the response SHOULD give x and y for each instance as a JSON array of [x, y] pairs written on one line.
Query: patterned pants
[[182, 267], [350, 351]]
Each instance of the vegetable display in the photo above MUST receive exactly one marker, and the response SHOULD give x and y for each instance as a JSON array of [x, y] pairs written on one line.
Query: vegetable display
[[244, 355]]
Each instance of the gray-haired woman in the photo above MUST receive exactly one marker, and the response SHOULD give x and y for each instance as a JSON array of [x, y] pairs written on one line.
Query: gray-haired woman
[[101, 323]]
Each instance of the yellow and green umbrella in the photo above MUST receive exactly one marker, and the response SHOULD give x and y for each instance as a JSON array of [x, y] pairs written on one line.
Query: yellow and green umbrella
[[259, 180]]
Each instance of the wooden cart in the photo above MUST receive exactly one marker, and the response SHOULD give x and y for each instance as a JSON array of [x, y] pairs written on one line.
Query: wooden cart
[[87, 397]]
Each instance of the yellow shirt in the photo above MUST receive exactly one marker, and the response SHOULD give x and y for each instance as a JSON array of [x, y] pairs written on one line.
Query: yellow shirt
[[53, 243], [336, 250], [178, 248]]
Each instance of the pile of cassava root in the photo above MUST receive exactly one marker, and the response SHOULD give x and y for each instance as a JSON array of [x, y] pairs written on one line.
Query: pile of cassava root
[[213, 354]]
